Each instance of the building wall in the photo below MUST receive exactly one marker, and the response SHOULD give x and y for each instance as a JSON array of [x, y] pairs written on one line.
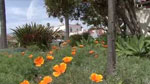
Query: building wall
[[143, 17]]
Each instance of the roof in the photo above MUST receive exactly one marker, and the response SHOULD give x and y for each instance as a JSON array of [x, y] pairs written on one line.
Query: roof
[[75, 26]]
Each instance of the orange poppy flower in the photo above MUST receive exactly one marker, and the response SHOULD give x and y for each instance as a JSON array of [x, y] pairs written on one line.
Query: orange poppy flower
[[25, 82], [73, 53], [50, 52], [54, 47], [42, 82], [39, 61], [81, 46], [68, 41], [96, 77], [96, 42], [30, 56], [64, 43], [59, 69], [91, 52], [49, 57], [105, 46], [102, 42], [47, 79], [67, 59], [22, 53], [96, 56]]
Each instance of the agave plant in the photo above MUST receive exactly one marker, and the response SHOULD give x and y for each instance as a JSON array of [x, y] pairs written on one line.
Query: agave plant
[[133, 46], [34, 34]]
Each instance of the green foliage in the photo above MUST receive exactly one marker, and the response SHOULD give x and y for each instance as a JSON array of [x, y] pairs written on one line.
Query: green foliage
[[61, 8], [130, 70], [133, 46], [78, 38], [102, 38], [34, 34]]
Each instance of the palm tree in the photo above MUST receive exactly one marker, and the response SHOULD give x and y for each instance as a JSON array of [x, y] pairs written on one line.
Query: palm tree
[[3, 36]]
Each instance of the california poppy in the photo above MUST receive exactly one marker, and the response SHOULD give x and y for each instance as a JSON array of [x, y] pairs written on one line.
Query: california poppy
[[49, 57], [96, 42], [64, 43], [54, 47], [59, 69], [25, 82], [96, 77], [42, 82], [22, 53], [91, 52], [73, 53], [67, 59], [68, 41], [47, 79], [81, 46], [39, 61], [105, 46], [50, 52], [30, 56], [96, 56], [102, 42]]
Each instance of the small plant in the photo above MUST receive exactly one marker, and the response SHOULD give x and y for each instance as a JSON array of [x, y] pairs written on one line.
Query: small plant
[[133, 46], [78, 38], [34, 34]]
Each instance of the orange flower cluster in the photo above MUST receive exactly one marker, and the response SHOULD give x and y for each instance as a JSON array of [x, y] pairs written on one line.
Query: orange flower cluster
[[54, 47], [46, 80], [104, 45], [39, 61], [102, 42], [68, 41], [67, 59], [49, 57], [96, 42], [96, 77], [81, 46], [73, 52], [30, 56], [25, 82], [50, 52], [64, 43], [91, 52], [59, 69], [22, 53]]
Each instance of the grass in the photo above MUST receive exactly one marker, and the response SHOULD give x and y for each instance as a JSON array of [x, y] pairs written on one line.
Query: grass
[[14, 67]]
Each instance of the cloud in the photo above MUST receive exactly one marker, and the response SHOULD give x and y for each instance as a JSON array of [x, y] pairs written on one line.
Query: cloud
[[36, 11], [17, 11]]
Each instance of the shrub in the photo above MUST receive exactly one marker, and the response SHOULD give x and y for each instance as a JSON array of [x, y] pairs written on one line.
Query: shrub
[[34, 34], [133, 46], [77, 38]]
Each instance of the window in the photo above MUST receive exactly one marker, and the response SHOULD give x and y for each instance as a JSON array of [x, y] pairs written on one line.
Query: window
[[70, 29]]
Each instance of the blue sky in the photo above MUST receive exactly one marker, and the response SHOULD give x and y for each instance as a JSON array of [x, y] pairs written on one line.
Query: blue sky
[[19, 12]]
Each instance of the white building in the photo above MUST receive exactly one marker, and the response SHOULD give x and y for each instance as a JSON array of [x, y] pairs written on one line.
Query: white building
[[73, 29], [143, 16]]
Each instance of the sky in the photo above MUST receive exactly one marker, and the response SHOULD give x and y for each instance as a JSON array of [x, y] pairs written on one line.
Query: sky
[[20, 12]]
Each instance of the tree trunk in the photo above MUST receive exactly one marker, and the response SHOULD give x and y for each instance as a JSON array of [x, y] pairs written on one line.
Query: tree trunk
[[3, 36], [67, 27], [111, 59]]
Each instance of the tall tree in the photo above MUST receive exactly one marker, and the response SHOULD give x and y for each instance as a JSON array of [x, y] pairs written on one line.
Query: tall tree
[[62, 9], [3, 36], [111, 59], [96, 13]]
